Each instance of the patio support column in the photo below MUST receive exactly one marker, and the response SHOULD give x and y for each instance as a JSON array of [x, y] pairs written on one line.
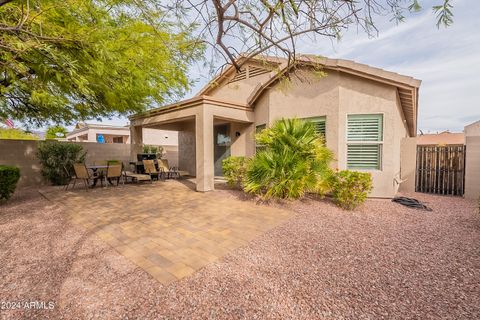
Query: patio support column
[[204, 150], [136, 141]]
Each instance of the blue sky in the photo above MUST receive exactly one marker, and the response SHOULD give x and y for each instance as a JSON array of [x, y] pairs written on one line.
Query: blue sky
[[446, 60]]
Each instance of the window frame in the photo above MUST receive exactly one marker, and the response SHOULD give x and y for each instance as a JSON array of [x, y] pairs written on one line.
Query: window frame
[[324, 118], [264, 125], [379, 143], [118, 137]]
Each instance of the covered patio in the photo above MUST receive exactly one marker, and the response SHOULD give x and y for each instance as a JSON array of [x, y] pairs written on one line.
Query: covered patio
[[209, 131]]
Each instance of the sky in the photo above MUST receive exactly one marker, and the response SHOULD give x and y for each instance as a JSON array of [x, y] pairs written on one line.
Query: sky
[[447, 60]]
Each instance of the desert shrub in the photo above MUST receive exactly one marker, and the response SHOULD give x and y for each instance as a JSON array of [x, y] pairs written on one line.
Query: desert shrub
[[350, 188], [294, 160], [234, 169], [9, 177], [56, 156]]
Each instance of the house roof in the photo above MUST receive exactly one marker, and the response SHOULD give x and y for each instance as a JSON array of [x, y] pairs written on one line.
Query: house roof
[[83, 126], [442, 138], [407, 87]]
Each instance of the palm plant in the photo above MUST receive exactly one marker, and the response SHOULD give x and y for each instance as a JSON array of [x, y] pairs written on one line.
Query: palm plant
[[294, 160]]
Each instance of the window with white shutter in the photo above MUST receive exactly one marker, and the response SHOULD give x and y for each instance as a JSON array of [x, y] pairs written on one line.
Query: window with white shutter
[[364, 141], [320, 124]]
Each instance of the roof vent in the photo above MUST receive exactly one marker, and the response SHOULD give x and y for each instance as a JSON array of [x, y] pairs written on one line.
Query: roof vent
[[248, 72]]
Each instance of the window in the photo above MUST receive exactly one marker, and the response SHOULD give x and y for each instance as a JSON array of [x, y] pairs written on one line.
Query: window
[[259, 129], [117, 139], [320, 125], [364, 141]]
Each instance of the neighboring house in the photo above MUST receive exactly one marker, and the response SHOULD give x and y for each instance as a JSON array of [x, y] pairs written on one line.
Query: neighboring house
[[88, 132], [364, 113], [442, 139]]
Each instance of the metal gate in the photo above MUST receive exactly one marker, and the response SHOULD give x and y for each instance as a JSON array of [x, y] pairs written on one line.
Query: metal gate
[[440, 170]]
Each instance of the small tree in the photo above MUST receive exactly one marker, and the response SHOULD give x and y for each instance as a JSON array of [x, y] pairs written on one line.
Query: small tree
[[57, 159], [55, 132]]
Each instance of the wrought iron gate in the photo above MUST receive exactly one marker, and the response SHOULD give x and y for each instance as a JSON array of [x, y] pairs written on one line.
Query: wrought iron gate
[[441, 170]]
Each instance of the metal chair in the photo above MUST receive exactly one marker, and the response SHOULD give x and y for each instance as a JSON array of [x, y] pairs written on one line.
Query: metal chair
[[81, 173], [114, 171], [149, 166]]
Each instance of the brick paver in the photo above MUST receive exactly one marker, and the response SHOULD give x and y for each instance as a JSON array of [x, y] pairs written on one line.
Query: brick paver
[[166, 228]]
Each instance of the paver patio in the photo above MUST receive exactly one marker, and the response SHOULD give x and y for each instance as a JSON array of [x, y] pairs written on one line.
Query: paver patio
[[166, 228]]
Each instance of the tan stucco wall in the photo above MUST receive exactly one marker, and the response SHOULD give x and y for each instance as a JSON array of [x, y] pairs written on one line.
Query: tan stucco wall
[[308, 96], [336, 96], [408, 164], [238, 91], [472, 161], [160, 137], [361, 96]]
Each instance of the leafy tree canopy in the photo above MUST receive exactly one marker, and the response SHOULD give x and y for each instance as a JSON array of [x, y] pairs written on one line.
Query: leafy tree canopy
[[56, 131], [63, 61]]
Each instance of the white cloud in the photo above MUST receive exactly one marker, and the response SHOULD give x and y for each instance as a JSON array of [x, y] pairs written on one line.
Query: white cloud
[[446, 60]]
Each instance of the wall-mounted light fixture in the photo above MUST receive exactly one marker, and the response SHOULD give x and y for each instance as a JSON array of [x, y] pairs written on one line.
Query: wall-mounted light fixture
[[237, 134]]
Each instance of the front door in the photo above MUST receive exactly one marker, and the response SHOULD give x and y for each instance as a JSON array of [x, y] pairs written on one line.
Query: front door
[[221, 136]]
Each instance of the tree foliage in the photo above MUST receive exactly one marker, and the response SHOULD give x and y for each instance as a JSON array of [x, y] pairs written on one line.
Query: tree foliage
[[55, 132], [9, 177], [294, 160], [57, 159], [63, 61], [17, 134], [351, 188]]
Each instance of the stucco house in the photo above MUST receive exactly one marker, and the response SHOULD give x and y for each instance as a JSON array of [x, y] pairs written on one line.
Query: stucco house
[[89, 132], [363, 111]]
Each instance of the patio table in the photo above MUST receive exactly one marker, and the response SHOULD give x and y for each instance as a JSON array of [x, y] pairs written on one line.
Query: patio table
[[94, 169]]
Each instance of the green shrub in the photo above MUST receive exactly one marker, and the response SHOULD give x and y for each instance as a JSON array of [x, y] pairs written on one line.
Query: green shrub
[[56, 156], [351, 188], [293, 161], [9, 177], [234, 169]]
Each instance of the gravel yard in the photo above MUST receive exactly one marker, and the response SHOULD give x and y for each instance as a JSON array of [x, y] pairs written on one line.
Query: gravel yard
[[381, 261]]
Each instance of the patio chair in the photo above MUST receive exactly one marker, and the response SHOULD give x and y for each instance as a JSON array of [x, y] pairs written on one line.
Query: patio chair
[[114, 171], [135, 177], [81, 173], [171, 172], [149, 166]]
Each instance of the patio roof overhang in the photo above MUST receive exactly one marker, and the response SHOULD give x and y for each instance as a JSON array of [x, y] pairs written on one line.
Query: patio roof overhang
[[205, 112], [190, 108]]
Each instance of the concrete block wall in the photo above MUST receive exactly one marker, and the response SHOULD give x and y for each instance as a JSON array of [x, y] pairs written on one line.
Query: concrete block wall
[[22, 153]]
